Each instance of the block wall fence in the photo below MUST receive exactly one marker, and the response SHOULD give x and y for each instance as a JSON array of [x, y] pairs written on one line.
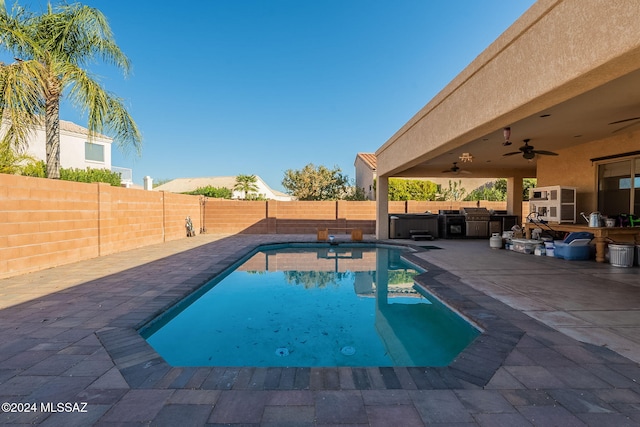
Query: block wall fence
[[45, 223]]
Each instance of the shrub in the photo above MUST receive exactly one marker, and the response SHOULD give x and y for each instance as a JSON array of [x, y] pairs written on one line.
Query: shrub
[[37, 169], [210, 191]]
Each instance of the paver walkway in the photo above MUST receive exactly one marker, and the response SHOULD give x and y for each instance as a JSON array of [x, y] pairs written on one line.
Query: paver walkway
[[68, 336]]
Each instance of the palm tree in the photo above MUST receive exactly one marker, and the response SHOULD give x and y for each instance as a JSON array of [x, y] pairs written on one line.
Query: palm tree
[[246, 184], [51, 50]]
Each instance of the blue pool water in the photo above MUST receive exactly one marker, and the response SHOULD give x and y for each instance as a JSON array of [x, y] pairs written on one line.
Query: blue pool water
[[309, 307]]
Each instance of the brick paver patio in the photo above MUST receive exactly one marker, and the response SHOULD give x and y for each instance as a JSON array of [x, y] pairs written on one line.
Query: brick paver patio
[[69, 336]]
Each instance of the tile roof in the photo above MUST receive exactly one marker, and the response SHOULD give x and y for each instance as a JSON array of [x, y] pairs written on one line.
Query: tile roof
[[182, 185], [369, 159], [67, 126], [72, 127]]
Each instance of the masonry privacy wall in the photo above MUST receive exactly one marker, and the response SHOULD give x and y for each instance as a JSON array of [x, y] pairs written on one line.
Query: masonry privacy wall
[[45, 223]]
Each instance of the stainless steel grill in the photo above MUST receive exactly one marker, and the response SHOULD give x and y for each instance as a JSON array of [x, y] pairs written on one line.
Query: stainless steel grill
[[477, 221], [476, 214]]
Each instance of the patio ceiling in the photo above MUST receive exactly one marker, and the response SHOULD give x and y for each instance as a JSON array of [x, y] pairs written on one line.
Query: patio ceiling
[[610, 109]]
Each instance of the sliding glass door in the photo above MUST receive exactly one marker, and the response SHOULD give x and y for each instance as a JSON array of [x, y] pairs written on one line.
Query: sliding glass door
[[619, 187]]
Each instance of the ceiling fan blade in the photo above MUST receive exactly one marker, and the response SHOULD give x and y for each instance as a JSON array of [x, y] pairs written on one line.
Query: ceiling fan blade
[[627, 126], [625, 120], [545, 153], [513, 153]]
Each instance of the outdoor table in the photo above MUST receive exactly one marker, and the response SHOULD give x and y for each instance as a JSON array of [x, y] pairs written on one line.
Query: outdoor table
[[602, 235]]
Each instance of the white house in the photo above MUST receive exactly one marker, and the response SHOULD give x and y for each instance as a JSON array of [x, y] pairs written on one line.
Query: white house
[[76, 151], [365, 165], [184, 185]]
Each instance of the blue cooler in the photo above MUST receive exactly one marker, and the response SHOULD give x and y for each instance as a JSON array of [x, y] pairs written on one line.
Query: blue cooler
[[574, 247]]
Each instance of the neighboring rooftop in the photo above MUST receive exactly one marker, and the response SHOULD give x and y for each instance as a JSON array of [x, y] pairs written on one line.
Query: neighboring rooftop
[[184, 185], [369, 159], [72, 127]]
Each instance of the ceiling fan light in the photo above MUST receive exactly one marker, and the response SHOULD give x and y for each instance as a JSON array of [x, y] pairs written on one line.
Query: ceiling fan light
[[506, 132], [529, 155]]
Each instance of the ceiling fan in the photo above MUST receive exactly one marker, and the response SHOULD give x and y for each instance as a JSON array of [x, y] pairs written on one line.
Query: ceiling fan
[[455, 169], [528, 151]]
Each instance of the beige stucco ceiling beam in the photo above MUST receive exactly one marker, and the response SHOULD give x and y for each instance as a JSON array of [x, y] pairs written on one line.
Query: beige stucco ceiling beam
[[487, 172]]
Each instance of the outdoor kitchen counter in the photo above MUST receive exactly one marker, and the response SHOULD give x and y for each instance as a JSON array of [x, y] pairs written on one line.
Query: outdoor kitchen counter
[[603, 235]]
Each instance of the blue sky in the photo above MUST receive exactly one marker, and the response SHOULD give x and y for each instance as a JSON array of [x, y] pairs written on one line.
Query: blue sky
[[228, 87]]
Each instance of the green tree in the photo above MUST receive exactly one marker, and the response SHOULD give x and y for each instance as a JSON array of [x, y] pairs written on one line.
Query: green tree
[[316, 183], [411, 189], [497, 190], [355, 194], [51, 50], [454, 192], [247, 184], [528, 183], [210, 191]]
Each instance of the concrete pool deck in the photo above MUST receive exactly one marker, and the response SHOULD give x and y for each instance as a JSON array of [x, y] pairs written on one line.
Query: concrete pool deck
[[547, 356]]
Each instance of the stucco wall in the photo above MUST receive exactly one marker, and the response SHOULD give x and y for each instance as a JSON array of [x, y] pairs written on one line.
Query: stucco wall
[[72, 150], [584, 172], [364, 178]]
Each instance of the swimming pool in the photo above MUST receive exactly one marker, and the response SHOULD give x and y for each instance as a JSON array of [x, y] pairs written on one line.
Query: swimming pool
[[312, 306]]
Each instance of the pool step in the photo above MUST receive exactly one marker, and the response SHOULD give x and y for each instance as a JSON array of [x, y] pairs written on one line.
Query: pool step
[[421, 235]]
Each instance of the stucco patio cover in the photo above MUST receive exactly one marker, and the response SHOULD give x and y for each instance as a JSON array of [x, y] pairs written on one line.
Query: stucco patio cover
[[562, 76]]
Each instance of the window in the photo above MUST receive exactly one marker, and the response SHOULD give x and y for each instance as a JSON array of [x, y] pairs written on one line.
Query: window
[[626, 183], [93, 152], [619, 187]]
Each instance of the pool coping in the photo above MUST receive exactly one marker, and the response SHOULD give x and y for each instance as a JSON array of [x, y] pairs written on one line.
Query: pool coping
[[143, 368]]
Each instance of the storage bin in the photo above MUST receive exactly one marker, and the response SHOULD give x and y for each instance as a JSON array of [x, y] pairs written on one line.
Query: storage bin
[[524, 246], [637, 259], [550, 248], [577, 250], [621, 255], [575, 247]]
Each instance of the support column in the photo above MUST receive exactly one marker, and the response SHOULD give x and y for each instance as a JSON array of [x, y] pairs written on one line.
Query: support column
[[382, 207], [514, 196]]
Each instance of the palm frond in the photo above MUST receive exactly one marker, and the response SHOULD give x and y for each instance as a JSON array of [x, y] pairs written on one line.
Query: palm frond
[[53, 49], [17, 33], [21, 105], [106, 112], [81, 34]]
